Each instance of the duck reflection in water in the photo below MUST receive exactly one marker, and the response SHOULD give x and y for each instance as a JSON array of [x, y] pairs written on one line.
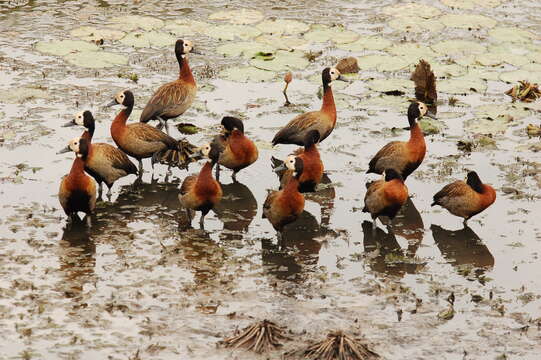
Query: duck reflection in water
[[77, 259], [389, 257], [463, 248], [236, 210]]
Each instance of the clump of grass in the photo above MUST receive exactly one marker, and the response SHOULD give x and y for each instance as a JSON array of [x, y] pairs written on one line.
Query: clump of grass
[[130, 76], [453, 101], [261, 336]]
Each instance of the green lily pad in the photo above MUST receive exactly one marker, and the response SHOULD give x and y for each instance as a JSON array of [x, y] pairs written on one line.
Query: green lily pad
[[283, 60], [468, 21], [414, 52], [462, 85], [397, 103], [91, 33], [133, 22], [494, 126], [508, 48], [446, 70], [337, 34], [246, 74], [467, 60], [447, 115], [246, 49], [238, 17], [431, 126], [96, 59], [385, 85], [282, 42], [470, 4], [185, 27], [495, 59], [511, 34], [483, 73], [366, 43], [535, 56], [382, 62], [22, 94], [187, 129], [492, 111], [280, 26], [148, 39], [412, 10], [231, 32], [64, 47], [415, 25], [454, 47], [517, 75]]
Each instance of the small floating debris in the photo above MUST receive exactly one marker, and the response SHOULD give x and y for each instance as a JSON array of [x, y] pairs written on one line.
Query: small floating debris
[[533, 130], [261, 336], [348, 65], [524, 91], [337, 346], [187, 128]]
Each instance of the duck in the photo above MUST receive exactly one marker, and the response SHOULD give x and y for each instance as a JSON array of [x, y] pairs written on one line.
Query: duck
[[174, 98], [284, 206], [141, 141], [403, 156], [466, 198], [313, 166], [323, 120], [202, 192], [77, 191], [386, 196], [236, 150], [104, 162]]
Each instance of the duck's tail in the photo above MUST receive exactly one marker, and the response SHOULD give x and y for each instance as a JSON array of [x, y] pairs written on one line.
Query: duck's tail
[[179, 157]]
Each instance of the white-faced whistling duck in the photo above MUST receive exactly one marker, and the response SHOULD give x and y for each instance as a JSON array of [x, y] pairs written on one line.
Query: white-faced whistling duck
[[104, 162], [385, 197], [77, 191], [312, 165], [140, 140], [403, 156], [466, 199], [284, 206], [322, 120], [236, 150], [202, 192], [174, 98]]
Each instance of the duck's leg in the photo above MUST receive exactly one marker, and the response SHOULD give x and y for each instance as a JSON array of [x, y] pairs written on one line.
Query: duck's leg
[[374, 225], [217, 172], [88, 219], [234, 176], [140, 167], [202, 221], [109, 192], [280, 239], [100, 190]]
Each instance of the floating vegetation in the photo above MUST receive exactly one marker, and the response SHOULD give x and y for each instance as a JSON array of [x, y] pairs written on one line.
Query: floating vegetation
[[245, 74], [96, 59], [64, 47], [412, 10], [468, 21], [91, 33], [283, 60], [338, 34], [533, 130], [188, 129], [511, 34], [231, 32], [148, 39], [337, 346], [524, 91], [281, 26], [134, 22], [348, 65], [259, 337], [247, 49], [238, 17], [366, 43]]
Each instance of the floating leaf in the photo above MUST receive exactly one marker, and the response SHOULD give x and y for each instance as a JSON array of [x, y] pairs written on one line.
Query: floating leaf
[[425, 83], [415, 25], [133, 22], [366, 43], [386, 85], [414, 52], [231, 32], [431, 126], [446, 70], [494, 126], [96, 59], [188, 129], [511, 34], [280, 26], [470, 4], [282, 42], [492, 111], [148, 39], [412, 10], [337, 34], [382, 62], [468, 21], [246, 49], [517, 75], [462, 85], [348, 65], [21, 94], [239, 16], [384, 101], [283, 60], [91, 33], [246, 74], [494, 59], [453, 47], [64, 47]]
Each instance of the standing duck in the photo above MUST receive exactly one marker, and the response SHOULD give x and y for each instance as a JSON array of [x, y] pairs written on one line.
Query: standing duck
[[323, 120], [202, 192], [466, 199], [104, 162], [174, 98], [403, 156], [236, 150], [313, 166], [77, 190], [385, 197], [284, 206], [141, 141]]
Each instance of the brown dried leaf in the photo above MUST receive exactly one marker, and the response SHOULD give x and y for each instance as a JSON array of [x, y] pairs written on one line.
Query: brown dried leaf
[[348, 65], [524, 91], [425, 83]]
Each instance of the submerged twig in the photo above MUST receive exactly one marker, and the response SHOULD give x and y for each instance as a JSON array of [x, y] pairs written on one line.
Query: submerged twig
[[337, 346], [261, 336]]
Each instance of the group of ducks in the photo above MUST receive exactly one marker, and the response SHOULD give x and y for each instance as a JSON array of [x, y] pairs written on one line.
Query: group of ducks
[[299, 173]]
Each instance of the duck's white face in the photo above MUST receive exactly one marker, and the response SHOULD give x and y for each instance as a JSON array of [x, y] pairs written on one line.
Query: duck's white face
[[334, 74], [188, 46], [423, 108], [80, 118], [290, 162], [74, 145], [205, 150], [120, 97]]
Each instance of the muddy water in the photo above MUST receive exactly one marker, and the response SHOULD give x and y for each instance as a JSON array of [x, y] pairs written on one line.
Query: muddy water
[[138, 284]]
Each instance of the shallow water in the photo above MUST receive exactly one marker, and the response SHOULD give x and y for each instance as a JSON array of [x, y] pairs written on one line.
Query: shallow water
[[138, 282]]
